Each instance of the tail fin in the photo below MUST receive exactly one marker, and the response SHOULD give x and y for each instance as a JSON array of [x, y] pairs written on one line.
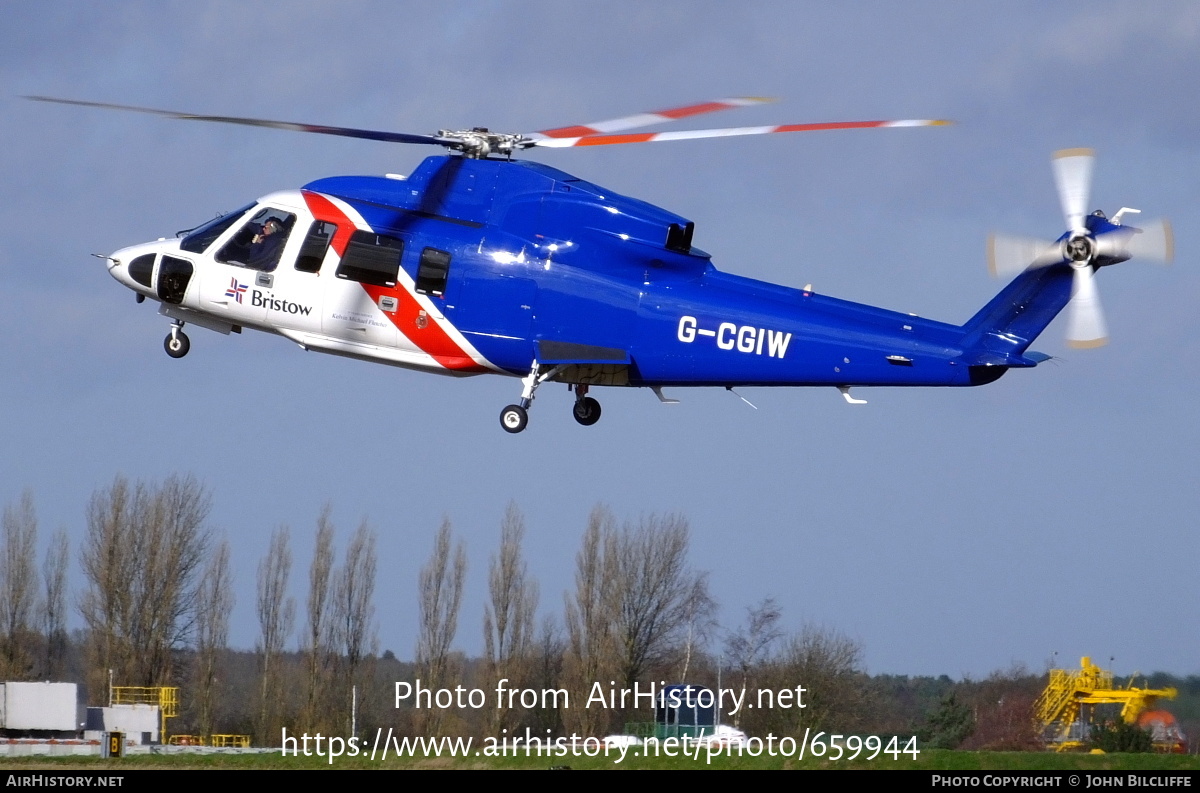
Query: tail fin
[[1001, 332]]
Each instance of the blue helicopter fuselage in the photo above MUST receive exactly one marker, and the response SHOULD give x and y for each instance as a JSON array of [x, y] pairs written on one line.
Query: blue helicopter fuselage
[[545, 267]]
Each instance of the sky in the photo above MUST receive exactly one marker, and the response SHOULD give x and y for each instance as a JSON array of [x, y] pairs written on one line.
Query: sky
[[1050, 515]]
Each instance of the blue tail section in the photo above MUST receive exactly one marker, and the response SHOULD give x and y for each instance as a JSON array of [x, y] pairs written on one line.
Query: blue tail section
[[1002, 331]]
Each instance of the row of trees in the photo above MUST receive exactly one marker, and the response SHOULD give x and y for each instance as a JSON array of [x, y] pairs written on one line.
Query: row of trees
[[158, 597], [338, 638], [33, 608]]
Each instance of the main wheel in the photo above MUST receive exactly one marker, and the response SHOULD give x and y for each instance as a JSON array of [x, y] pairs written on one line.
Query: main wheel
[[586, 411], [177, 345], [513, 418]]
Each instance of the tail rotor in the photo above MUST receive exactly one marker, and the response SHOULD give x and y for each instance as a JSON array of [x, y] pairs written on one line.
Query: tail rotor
[[1091, 241]]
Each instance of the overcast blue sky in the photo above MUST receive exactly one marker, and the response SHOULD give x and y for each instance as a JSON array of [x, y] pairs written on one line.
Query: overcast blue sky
[[949, 531]]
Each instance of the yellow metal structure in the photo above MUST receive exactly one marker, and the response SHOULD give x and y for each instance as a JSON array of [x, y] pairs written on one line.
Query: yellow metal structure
[[236, 741], [165, 697], [1060, 712]]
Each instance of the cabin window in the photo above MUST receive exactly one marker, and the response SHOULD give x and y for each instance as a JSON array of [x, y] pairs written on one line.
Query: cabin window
[[371, 259], [260, 242], [316, 243], [432, 272], [198, 239]]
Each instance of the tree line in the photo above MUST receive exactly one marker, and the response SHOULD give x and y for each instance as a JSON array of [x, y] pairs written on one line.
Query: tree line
[[158, 594]]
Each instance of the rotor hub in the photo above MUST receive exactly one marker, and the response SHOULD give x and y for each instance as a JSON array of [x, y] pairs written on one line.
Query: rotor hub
[[479, 142], [1080, 248]]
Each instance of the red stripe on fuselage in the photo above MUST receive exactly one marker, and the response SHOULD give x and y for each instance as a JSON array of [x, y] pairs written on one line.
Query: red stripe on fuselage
[[431, 339], [324, 209]]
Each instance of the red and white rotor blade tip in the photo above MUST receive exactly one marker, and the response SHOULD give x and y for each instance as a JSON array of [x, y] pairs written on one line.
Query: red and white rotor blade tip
[[1085, 318], [1073, 178], [646, 119], [694, 134]]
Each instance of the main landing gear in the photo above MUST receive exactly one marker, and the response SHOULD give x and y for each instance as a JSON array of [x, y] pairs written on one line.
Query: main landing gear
[[177, 343], [515, 418], [586, 409]]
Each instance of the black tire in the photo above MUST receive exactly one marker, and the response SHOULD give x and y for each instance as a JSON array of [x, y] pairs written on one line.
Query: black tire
[[513, 418], [586, 411], [178, 345]]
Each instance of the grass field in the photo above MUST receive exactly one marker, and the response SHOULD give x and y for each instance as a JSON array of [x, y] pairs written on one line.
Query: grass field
[[929, 760]]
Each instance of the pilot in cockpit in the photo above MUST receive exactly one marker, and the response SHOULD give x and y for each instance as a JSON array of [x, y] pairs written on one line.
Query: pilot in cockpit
[[265, 246]]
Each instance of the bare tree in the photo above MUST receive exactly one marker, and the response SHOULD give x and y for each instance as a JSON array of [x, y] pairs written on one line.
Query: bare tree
[[637, 605], [109, 564], [54, 603], [829, 665], [749, 646], [547, 673], [18, 586], [355, 608], [276, 614], [508, 616], [213, 607], [591, 621], [142, 556], [441, 586], [701, 619], [172, 547], [657, 594], [318, 651]]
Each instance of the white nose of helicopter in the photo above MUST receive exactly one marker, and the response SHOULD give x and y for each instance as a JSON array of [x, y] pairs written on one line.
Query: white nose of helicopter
[[132, 267]]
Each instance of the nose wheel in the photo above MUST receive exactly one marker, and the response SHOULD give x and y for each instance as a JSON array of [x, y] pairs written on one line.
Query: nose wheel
[[514, 418], [177, 343]]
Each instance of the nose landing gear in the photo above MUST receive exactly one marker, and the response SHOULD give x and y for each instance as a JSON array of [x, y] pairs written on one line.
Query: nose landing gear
[[514, 418], [177, 343]]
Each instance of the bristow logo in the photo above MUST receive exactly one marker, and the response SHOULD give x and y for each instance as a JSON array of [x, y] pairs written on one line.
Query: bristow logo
[[235, 290], [269, 301], [729, 336]]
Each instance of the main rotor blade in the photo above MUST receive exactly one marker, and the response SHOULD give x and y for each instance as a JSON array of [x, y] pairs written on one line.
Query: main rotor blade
[[646, 119], [1085, 322], [1009, 255], [692, 134], [345, 132], [1073, 177]]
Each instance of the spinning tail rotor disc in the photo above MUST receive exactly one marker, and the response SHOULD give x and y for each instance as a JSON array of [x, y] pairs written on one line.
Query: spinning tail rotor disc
[[1090, 242]]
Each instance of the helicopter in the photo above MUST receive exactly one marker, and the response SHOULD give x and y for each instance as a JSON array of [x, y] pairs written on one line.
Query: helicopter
[[477, 262]]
